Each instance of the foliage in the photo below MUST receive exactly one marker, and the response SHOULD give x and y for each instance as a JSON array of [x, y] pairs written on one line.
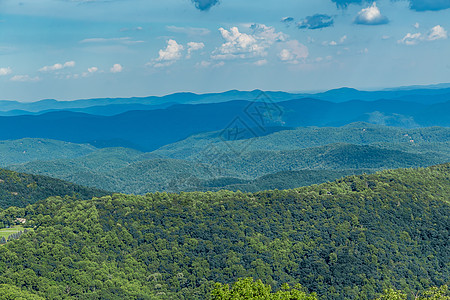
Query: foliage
[[352, 238], [17, 189], [247, 288], [10, 292]]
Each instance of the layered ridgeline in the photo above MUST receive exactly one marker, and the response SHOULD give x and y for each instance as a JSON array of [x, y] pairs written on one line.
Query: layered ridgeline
[[209, 161], [148, 130], [348, 239], [17, 189], [111, 106]]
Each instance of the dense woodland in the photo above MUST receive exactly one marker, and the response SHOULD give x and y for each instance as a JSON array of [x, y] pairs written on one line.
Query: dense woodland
[[17, 189], [354, 238], [209, 162]]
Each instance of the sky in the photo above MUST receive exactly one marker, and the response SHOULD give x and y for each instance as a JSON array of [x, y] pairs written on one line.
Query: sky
[[75, 49]]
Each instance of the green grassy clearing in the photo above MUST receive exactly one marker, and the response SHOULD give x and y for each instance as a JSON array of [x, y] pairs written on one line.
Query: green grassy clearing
[[5, 232]]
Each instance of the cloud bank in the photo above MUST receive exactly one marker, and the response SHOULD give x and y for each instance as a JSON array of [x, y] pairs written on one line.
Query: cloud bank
[[424, 5]]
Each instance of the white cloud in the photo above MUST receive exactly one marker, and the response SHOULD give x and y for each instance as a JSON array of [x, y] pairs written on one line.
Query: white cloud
[[169, 55], [293, 51], [92, 69], [69, 64], [334, 43], [116, 68], [261, 62], [5, 71], [189, 30], [437, 33], [58, 66], [371, 16], [244, 45], [410, 39], [417, 25], [25, 78], [193, 46], [203, 64]]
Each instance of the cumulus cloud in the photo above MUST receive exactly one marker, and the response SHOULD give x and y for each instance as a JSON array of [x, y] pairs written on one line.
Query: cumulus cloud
[[437, 33], [58, 66], [293, 52], [316, 21], [25, 78], [90, 71], [168, 55], [205, 5], [410, 39], [371, 16], [424, 5], [193, 46], [189, 30], [116, 68], [244, 45], [5, 71]]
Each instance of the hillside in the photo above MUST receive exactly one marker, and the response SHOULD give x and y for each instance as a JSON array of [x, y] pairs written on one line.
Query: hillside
[[17, 189], [278, 181], [352, 238], [208, 161], [130, 171], [27, 149], [419, 141]]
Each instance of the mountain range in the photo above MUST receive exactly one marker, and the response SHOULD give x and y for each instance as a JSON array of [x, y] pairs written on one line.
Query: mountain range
[[208, 161]]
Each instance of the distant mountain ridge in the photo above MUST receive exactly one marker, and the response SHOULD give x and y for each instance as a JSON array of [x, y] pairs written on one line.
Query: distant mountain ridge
[[149, 130], [112, 106]]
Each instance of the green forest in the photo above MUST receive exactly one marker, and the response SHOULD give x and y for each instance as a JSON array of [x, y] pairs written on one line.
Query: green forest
[[18, 189], [377, 236]]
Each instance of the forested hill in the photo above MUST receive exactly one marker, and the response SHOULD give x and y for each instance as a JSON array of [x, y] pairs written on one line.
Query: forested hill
[[18, 189], [347, 239]]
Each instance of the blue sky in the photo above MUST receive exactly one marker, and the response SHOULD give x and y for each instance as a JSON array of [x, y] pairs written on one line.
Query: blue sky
[[71, 49]]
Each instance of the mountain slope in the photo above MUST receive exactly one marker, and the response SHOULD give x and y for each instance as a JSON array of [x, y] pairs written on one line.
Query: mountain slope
[[419, 141], [350, 238], [130, 171], [17, 189], [26, 150]]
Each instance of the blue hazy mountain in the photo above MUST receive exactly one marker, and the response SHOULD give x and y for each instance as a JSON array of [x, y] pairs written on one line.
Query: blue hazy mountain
[[148, 130], [111, 106]]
